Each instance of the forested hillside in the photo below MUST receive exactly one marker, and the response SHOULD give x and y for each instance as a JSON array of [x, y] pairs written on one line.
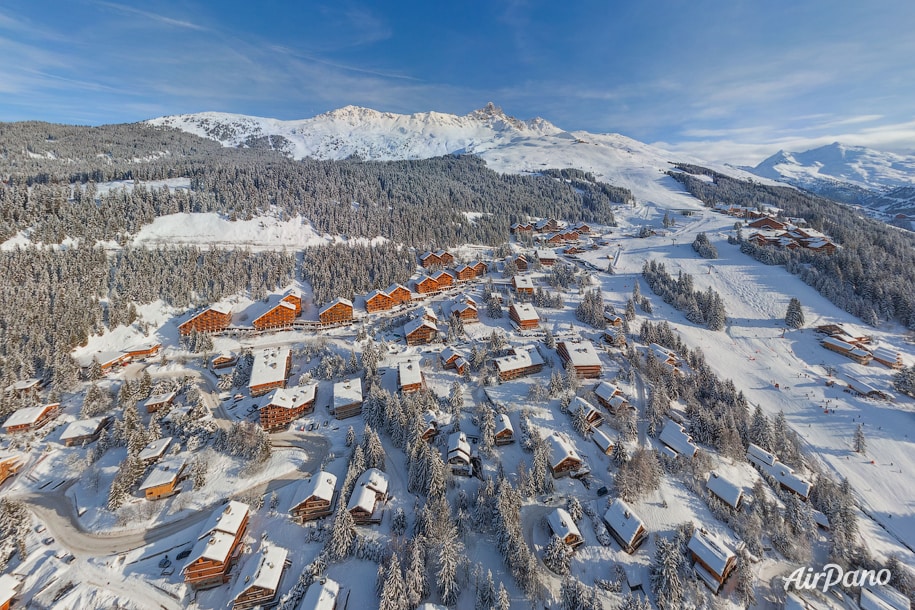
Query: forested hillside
[[872, 273]]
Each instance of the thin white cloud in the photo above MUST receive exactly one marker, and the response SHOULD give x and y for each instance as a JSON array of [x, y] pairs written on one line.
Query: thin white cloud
[[179, 23]]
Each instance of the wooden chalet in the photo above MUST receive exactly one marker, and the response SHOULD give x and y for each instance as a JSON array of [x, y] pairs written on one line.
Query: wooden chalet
[[162, 481], [555, 239], [446, 258], [25, 387], [858, 354], [449, 356], [154, 450], [347, 399], [338, 311], [465, 273], [865, 389], [564, 460], [505, 433], [545, 225], [223, 361], [323, 594], [523, 284], [613, 320], [521, 263], [218, 546], [782, 473], [419, 331], [410, 377], [520, 227], [286, 405], [610, 396], [9, 589], [723, 489], [426, 284], [144, 350], [429, 315], [522, 362], [581, 227], [480, 268], [281, 315], [31, 418], [444, 279], [561, 524], [602, 441], [889, 358], [713, 560], [399, 294], [158, 401], [546, 256], [85, 431], [524, 316], [769, 223], [9, 465], [315, 497], [590, 413], [459, 454], [461, 366], [429, 259], [581, 356], [213, 319], [378, 301], [430, 426], [270, 370], [677, 441], [259, 580], [466, 312], [614, 336], [371, 489], [107, 360], [625, 526]]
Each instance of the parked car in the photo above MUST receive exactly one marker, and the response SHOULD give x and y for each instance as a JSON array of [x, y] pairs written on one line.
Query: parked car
[[48, 540], [603, 491], [183, 554], [39, 528]]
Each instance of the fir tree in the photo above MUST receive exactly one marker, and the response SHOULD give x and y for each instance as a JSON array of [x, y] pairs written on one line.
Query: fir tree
[[794, 317], [557, 556], [860, 441]]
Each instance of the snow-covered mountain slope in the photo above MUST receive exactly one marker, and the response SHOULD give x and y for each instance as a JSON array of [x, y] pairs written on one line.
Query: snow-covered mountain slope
[[836, 165], [507, 144]]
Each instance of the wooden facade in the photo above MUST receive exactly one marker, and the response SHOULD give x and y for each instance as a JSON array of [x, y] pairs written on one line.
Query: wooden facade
[[399, 294], [315, 497], [9, 465], [465, 272], [218, 547], [281, 315], [420, 332], [582, 356], [287, 405], [443, 279], [210, 320], [378, 301], [524, 315], [467, 313], [426, 285], [260, 580], [163, 481], [294, 297], [146, 350], [31, 418], [340, 310]]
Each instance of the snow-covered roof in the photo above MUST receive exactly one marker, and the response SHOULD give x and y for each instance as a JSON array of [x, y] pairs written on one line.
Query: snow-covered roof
[[759, 456], [579, 404], [413, 325], [164, 472], [25, 384], [214, 546], [674, 436], [228, 519], [269, 366], [462, 307], [449, 352], [523, 281], [522, 358], [887, 354], [320, 486], [26, 416], [376, 293], [582, 354], [155, 449], [790, 479], [561, 524], [374, 479], [431, 606], [458, 446], [159, 399], [617, 401], [221, 308], [321, 595], [290, 398], [860, 387], [503, 424], [347, 392], [711, 549], [525, 312], [662, 353], [393, 287], [429, 313], [263, 572], [337, 301], [409, 373], [84, 427], [9, 584], [561, 449], [620, 518], [545, 254], [364, 498], [602, 440], [726, 490], [606, 390], [838, 344]]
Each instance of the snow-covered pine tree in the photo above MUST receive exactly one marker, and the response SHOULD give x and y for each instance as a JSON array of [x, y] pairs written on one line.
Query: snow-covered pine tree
[[665, 575], [393, 590], [557, 556], [860, 441], [794, 317], [339, 544]]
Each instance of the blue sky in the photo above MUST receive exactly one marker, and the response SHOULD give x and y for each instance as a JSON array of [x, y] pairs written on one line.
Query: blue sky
[[725, 80]]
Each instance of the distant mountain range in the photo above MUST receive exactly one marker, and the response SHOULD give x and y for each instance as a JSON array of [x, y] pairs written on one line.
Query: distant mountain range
[[880, 181]]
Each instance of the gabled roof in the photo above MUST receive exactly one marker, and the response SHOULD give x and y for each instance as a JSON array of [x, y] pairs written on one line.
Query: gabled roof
[[462, 307], [269, 366], [214, 546], [580, 404], [522, 358], [363, 498], [376, 293], [337, 301], [321, 486], [159, 399], [321, 595], [291, 398], [758, 455], [164, 472], [374, 479], [606, 390], [395, 286], [84, 427], [228, 519], [415, 324], [26, 416], [581, 354], [674, 436], [727, 491], [602, 440], [458, 446], [449, 352], [525, 312], [522, 281], [712, 550], [263, 571], [503, 424], [409, 373], [561, 524], [560, 449], [620, 518], [155, 448], [9, 585], [545, 254]]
